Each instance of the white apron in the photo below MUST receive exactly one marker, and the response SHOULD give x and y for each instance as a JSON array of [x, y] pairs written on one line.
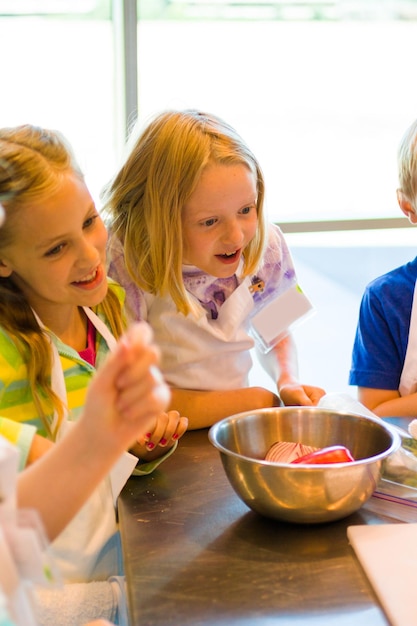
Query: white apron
[[89, 547], [408, 381], [203, 353]]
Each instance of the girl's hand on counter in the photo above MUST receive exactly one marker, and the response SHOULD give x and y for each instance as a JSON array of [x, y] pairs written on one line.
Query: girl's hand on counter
[[168, 428], [295, 394]]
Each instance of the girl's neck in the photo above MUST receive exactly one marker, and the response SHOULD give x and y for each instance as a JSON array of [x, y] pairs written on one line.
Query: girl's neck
[[70, 328]]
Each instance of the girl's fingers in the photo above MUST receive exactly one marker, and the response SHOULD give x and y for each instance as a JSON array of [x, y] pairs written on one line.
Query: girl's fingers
[[139, 333], [181, 428], [138, 362], [147, 389], [140, 382], [169, 427], [138, 353]]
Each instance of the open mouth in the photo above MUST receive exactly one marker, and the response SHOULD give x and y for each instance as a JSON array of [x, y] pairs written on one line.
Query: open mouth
[[229, 256], [88, 279]]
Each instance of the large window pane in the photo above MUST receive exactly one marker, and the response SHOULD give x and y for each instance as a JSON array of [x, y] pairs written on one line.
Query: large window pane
[[323, 102], [58, 71], [323, 92]]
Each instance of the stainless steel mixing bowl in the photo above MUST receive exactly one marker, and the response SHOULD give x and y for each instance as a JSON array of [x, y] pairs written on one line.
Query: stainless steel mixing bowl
[[302, 493]]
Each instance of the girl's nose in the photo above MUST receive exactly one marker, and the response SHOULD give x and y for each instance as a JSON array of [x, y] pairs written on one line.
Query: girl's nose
[[232, 234], [88, 253]]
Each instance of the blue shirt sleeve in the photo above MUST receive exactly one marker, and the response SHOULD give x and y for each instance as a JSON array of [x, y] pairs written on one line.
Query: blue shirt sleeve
[[382, 332]]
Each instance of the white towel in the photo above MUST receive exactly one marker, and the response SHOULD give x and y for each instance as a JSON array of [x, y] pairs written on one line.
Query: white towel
[[79, 603]]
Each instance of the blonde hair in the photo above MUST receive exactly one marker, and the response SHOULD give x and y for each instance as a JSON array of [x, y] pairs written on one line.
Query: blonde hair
[[407, 164], [33, 162], [145, 200]]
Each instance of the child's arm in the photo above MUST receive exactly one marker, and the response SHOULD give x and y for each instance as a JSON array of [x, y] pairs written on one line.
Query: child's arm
[[40, 446], [204, 408], [388, 403], [123, 400]]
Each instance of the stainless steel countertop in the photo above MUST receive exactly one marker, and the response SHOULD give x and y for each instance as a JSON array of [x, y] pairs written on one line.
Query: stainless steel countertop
[[196, 555]]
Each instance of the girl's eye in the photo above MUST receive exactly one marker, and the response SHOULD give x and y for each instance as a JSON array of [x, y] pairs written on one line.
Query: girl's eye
[[209, 222], [55, 250], [246, 210], [90, 221]]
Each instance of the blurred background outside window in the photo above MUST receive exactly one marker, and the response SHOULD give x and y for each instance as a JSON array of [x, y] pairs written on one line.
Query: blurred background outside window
[[322, 92]]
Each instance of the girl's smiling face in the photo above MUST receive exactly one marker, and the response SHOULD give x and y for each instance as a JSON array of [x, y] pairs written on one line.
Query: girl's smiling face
[[220, 219], [57, 251]]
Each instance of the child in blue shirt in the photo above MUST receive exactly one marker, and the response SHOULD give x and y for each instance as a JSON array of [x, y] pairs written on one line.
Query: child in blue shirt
[[384, 360]]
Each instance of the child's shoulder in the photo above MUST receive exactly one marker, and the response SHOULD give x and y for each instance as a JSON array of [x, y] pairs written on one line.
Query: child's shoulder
[[276, 253], [117, 289], [8, 348], [275, 235], [13, 365], [392, 291], [402, 277]]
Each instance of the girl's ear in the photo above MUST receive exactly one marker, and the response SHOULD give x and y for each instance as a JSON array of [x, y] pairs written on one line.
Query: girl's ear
[[5, 269], [406, 207]]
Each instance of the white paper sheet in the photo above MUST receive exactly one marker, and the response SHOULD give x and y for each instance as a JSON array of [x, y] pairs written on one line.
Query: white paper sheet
[[388, 555]]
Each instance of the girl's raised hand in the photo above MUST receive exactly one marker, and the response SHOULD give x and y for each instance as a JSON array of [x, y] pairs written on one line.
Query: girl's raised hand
[[128, 393], [140, 383]]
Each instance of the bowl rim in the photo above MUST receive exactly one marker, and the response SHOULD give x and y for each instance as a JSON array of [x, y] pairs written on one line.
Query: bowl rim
[[395, 443]]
